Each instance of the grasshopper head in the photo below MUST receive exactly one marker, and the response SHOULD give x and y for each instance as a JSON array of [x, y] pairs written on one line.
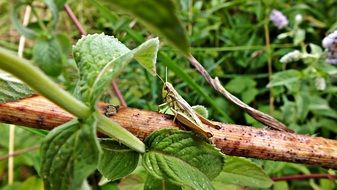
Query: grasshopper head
[[167, 88]]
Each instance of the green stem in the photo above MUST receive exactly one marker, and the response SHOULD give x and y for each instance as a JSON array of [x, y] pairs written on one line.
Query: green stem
[[37, 80], [114, 130], [270, 66]]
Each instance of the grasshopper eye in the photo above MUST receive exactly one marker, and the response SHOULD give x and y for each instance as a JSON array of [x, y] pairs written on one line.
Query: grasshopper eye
[[166, 88]]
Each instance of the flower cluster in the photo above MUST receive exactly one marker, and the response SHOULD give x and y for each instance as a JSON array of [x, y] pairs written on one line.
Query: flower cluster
[[278, 18], [292, 56], [330, 43]]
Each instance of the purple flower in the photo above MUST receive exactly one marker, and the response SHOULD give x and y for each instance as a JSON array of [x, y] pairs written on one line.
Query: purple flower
[[278, 18], [330, 44], [330, 41]]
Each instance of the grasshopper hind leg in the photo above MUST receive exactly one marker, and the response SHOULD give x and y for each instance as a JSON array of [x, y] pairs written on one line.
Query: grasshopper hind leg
[[208, 122]]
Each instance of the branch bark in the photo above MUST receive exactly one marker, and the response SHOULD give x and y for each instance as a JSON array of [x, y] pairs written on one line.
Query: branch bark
[[38, 112]]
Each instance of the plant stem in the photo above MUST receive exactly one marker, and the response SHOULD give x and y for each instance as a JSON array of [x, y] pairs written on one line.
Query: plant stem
[[10, 151], [304, 177], [111, 128], [270, 71], [37, 80], [19, 152]]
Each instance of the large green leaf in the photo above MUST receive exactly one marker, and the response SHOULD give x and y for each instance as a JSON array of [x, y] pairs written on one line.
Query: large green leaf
[[48, 55], [241, 171], [101, 58], [11, 88], [116, 160], [157, 16], [175, 170], [182, 158], [70, 153]]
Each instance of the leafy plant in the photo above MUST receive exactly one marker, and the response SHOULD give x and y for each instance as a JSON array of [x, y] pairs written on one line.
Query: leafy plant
[[229, 40]]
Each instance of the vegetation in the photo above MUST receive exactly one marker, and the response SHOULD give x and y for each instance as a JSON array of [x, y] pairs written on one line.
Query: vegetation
[[267, 53]]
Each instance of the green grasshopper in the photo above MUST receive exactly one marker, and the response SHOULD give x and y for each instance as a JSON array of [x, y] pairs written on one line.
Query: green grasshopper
[[184, 113]]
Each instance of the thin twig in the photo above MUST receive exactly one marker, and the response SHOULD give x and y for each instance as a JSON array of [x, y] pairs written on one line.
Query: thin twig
[[11, 139], [305, 176], [258, 115], [74, 19], [10, 151], [83, 32], [270, 68], [118, 94], [19, 152]]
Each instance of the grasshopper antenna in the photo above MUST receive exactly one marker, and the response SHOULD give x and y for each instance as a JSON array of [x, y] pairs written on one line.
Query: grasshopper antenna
[[165, 74], [160, 78]]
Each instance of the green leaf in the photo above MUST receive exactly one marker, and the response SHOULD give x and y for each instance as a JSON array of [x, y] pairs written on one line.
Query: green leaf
[[201, 110], [249, 95], [302, 101], [320, 106], [32, 183], [182, 158], [315, 49], [152, 183], [60, 3], [219, 186], [47, 54], [146, 55], [116, 160], [64, 42], [284, 78], [299, 36], [134, 181], [241, 171], [70, 153], [11, 88], [101, 58], [158, 16], [281, 185], [175, 170], [329, 69], [28, 33], [240, 84]]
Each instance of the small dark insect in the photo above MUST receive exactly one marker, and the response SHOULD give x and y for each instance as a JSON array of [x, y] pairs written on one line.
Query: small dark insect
[[110, 110]]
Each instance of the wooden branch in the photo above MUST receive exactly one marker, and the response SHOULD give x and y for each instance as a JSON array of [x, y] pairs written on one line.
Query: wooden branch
[[235, 140]]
